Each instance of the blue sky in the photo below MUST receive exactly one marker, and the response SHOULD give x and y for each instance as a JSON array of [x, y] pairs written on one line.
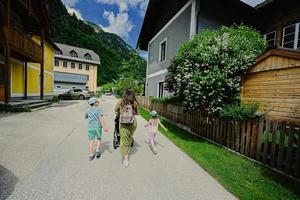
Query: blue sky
[[123, 17]]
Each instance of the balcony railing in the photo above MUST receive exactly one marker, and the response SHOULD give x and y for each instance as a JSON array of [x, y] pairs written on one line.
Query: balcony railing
[[22, 44], [26, 4]]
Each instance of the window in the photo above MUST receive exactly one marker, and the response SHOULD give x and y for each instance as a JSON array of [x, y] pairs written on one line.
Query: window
[[58, 52], [88, 78], [73, 65], [65, 64], [73, 54], [56, 62], [162, 50], [87, 67], [160, 89], [271, 38], [77, 90], [291, 37], [73, 88], [88, 56], [58, 87], [80, 66]]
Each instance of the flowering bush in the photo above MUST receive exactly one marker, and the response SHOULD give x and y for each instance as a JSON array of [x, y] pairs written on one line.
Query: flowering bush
[[206, 71]]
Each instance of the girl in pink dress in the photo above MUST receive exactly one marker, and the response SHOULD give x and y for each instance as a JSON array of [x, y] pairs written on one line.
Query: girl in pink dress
[[153, 129]]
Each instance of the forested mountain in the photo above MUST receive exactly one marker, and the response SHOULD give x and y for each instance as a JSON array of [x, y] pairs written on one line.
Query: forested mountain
[[111, 48]]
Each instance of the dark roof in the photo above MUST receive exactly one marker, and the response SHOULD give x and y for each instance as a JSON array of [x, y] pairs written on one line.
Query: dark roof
[[55, 47], [160, 12], [263, 4], [70, 78], [81, 52], [157, 15]]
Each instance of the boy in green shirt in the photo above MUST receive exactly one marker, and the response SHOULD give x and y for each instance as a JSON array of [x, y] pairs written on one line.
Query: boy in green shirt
[[96, 122]]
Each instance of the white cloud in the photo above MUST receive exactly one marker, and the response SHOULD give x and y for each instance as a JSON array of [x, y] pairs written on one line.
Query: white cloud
[[70, 3], [119, 23], [74, 11]]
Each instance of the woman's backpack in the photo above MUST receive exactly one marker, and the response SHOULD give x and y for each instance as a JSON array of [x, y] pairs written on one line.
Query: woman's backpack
[[127, 114]]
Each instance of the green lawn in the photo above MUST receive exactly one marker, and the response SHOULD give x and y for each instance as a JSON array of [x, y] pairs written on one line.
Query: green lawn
[[245, 179]]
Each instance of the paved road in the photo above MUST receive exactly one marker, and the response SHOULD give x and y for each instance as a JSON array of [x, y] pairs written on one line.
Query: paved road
[[43, 155]]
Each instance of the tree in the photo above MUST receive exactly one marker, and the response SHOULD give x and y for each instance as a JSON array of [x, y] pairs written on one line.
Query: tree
[[206, 71], [128, 83], [134, 67]]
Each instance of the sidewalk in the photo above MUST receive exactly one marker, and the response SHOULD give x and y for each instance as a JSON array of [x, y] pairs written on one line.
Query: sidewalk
[[59, 168]]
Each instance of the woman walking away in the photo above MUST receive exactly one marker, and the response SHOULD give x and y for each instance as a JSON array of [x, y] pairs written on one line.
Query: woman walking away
[[127, 108], [153, 129]]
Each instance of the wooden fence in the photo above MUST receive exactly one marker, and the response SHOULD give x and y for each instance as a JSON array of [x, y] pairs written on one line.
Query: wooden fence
[[276, 144]]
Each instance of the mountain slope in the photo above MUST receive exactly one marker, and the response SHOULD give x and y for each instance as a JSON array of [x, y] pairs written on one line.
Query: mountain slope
[[67, 29]]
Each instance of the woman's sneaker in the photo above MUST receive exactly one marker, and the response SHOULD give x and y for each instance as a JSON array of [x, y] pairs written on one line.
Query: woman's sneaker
[[91, 157], [98, 154], [125, 162]]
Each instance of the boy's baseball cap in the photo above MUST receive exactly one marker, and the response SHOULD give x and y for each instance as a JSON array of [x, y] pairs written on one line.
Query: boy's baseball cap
[[153, 113], [92, 100]]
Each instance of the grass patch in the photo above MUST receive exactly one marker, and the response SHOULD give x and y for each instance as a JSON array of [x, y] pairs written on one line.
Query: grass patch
[[244, 178]]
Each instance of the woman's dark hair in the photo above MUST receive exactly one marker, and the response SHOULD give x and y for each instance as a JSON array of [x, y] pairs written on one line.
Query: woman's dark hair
[[129, 98]]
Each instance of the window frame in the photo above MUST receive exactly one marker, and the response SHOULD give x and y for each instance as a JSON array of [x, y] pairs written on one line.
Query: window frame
[[160, 50], [275, 36], [80, 66], [296, 36], [56, 63], [87, 67], [65, 64], [88, 56], [73, 54], [73, 65], [158, 88]]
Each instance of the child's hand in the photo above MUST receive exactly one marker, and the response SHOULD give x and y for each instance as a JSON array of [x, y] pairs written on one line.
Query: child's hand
[[106, 130]]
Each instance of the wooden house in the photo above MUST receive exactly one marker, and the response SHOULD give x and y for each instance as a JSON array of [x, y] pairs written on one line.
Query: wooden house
[[274, 82], [26, 59]]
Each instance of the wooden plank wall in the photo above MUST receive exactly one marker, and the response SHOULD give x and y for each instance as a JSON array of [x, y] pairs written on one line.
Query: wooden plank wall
[[275, 62], [277, 91], [2, 92], [273, 143]]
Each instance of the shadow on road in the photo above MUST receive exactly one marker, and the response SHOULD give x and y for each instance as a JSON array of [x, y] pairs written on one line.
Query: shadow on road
[[105, 146], [64, 104], [7, 182], [135, 147]]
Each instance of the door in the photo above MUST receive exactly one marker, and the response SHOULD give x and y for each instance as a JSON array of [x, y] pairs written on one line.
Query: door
[[17, 79]]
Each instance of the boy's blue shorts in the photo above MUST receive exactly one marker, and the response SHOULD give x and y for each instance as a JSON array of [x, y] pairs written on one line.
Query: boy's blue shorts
[[95, 133]]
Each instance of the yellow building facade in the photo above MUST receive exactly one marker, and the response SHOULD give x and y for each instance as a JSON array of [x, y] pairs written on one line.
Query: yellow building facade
[[26, 58], [18, 75]]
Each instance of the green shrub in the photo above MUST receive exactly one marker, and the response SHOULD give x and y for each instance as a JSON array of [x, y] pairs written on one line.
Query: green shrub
[[240, 112], [108, 87], [13, 109], [206, 71], [55, 99], [128, 83]]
